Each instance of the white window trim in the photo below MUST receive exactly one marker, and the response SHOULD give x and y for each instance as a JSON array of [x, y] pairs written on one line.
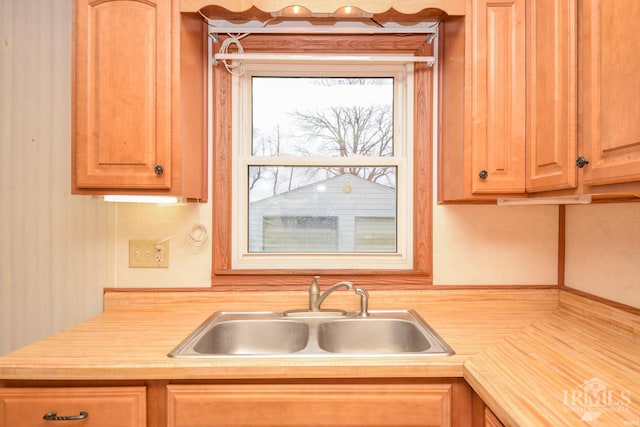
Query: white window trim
[[403, 159]]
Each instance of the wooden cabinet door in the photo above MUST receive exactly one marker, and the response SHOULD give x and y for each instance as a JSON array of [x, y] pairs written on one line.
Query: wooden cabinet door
[[317, 405], [498, 96], [91, 406], [490, 420], [552, 103], [610, 90], [122, 82]]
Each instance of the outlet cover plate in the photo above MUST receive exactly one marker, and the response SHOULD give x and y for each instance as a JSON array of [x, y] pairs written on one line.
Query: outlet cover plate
[[148, 254]]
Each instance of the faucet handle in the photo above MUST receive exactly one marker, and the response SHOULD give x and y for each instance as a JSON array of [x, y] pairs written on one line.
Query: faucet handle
[[314, 293]]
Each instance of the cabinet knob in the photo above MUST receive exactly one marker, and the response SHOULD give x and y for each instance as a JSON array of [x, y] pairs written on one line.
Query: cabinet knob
[[483, 174], [159, 170], [581, 162]]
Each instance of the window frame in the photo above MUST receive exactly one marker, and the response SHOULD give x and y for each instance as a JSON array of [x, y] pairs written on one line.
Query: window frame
[[401, 259], [223, 275]]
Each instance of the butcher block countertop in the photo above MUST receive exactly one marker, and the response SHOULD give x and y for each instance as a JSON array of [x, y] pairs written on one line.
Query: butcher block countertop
[[535, 356]]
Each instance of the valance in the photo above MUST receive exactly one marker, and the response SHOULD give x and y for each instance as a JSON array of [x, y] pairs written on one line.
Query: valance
[[451, 7]]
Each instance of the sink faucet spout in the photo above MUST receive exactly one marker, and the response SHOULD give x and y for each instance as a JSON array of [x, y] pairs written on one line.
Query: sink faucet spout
[[316, 298]]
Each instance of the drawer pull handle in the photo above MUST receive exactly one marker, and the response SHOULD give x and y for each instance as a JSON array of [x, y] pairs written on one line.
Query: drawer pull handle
[[53, 416]]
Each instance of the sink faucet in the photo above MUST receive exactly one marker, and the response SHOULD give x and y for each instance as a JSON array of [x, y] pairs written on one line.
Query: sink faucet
[[316, 298]]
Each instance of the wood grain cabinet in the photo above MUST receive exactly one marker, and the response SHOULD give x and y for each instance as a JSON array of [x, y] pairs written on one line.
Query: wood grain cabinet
[[138, 108], [609, 91], [364, 402], [482, 101], [490, 420], [317, 405], [86, 406], [539, 98], [551, 104], [497, 96], [482, 414]]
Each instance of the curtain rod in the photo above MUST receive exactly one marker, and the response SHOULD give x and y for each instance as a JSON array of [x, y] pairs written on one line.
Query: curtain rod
[[324, 29], [294, 57]]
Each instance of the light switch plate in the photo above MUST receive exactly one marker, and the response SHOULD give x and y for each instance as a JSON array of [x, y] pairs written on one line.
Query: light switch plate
[[148, 254]]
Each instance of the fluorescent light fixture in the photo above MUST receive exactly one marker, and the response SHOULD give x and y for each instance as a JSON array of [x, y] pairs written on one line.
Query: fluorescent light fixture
[[141, 199], [584, 199]]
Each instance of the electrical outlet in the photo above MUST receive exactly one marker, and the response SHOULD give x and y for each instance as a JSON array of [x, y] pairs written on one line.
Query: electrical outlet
[[148, 254]]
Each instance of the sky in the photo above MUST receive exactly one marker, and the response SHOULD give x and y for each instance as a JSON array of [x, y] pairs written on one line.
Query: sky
[[274, 98]]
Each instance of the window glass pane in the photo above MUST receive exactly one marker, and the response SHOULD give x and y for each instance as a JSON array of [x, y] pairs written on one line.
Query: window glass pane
[[269, 181], [322, 116], [282, 192], [375, 234], [299, 234]]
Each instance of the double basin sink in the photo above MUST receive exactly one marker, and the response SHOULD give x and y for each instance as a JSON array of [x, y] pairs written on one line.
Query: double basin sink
[[283, 334]]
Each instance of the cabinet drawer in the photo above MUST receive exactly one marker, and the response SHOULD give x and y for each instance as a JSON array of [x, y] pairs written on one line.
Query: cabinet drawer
[[316, 405], [104, 406]]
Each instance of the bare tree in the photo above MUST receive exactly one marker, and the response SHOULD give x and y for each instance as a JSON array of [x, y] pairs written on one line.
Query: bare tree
[[266, 146], [363, 129], [351, 131]]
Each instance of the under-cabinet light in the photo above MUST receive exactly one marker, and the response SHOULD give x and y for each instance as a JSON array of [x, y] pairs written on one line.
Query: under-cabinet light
[[141, 199], [560, 200]]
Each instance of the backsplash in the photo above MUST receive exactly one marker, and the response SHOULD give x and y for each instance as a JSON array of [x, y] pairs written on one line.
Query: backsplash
[[189, 265], [603, 251], [473, 245]]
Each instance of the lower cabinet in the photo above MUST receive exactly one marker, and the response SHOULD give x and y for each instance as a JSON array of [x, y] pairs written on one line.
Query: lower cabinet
[[337, 402], [490, 419], [317, 405], [85, 406], [482, 415]]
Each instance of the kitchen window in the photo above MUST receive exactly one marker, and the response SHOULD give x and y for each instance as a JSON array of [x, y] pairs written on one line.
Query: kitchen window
[[321, 140], [323, 168]]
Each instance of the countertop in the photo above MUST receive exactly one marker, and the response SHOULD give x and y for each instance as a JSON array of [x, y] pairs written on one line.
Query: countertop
[[535, 356]]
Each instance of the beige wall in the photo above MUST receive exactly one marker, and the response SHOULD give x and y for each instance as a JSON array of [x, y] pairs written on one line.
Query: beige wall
[[603, 251], [55, 248], [474, 245], [58, 251], [499, 245], [189, 265]]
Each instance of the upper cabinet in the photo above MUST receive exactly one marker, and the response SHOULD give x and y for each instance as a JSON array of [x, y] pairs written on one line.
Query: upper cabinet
[[610, 91], [551, 101], [132, 98], [540, 99], [482, 110], [497, 90]]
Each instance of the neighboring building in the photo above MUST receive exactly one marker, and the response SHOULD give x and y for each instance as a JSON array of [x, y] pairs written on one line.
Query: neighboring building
[[344, 213]]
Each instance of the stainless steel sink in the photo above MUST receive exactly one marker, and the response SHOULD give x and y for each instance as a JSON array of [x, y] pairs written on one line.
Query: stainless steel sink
[[262, 334], [374, 336], [253, 337]]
